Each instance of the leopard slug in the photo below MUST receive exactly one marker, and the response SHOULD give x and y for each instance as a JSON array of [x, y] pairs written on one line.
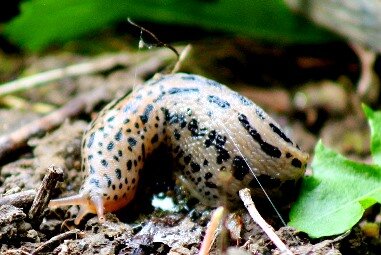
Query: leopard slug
[[208, 128]]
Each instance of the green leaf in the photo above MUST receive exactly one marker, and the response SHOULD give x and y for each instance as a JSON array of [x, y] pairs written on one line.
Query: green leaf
[[374, 119], [333, 200], [43, 22]]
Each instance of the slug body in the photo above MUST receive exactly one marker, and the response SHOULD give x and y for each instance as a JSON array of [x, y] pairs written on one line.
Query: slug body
[[210, 130]]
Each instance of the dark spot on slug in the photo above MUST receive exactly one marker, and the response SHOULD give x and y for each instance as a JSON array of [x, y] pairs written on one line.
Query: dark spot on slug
[[147, 111], [129, 164], [108, 180], [218, 101], [187, 159], [208, 175], [95, 182], [111, 119], [243, 99], [92, 170], [104, 163], [177, 134], [259, 113], [280, 133], [110, 146], [210, 185], [118, 173], [213, 83], [195, 167], [240, 168], [194, 129], [218, 141], [131, 141], [91, 140], [267, 148], [180, 154], [118, 135], [296, 163], [182, 90], [188, 77]]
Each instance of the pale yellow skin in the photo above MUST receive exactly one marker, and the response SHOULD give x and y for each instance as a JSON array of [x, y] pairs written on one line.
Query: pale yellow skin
[[218, 138]]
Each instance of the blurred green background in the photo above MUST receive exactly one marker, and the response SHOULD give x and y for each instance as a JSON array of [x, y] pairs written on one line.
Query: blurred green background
[[36, 24]]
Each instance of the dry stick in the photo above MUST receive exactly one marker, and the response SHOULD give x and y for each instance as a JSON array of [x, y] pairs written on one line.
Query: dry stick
[[21, 199], [53, 240], [99, 64], [183, 55], [213, 224], [367, 74], [250, 206], [16, 252], [18, 138], [44, 192]]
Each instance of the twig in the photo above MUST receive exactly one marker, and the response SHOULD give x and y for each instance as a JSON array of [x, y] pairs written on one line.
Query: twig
[[158, 42], [20, 199], [99, 64], [43, 195], [53, 240], [183, 55], [18, 138], [16, 252], [325, 243], [213, 224], [250, 206], [367, 74], [85, 101], [19, 103]]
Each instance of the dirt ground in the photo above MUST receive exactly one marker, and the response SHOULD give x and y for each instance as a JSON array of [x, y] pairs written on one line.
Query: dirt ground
[[257, 71]]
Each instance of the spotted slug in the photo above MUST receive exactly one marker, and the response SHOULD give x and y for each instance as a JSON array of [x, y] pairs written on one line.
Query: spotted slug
[[209, 130]]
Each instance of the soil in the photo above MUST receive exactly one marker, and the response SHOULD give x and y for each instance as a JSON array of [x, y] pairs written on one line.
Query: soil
[[259, 72]]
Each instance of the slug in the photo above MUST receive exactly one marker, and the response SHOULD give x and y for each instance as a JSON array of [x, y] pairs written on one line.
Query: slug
[[210, 131]]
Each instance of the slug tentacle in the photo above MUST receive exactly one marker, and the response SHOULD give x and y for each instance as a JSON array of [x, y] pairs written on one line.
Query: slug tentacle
[[78, 199], [93, 204]]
